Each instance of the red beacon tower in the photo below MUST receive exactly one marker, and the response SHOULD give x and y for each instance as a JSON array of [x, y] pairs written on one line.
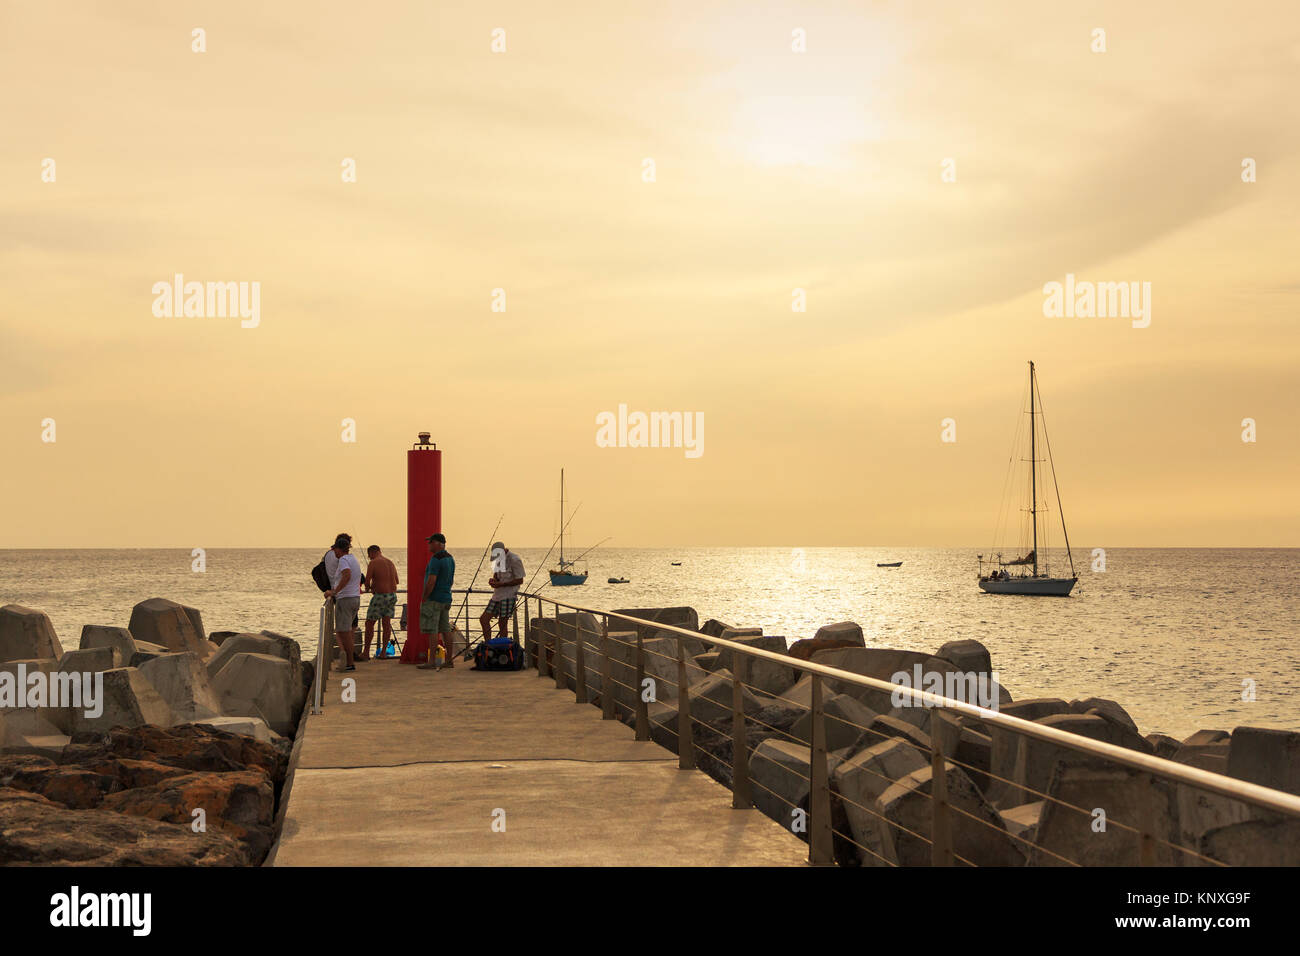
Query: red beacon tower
[[423, 518]]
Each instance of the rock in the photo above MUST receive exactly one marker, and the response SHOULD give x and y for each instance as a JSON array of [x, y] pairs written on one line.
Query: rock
[[885, 728], [979, 836], [1163, 745], [259, 685], [844, 634], [30, 715], [91, 660], [32, 729], [1130, 797], [1202, 737], [118, 638], [1212, 757], [196, 619], [1022, 823], [1036, 760], [1035, 708], [661, 666], [27, 634], [218, 637], [964, 745], [780, 771], [765, 675], [683, 617], [254, 727], [238, 803], [863, 777], [714, 628], [266, 642], [707, 660], [1108, 709], [1273, 842], [1006, 744], [144, 651], [160, 621], [845, 720], [182, 681], [37, 831], [884, 664], [129, 700], [710, 703], [187, 746], [739, 635], [1270, 758], [967, 655]]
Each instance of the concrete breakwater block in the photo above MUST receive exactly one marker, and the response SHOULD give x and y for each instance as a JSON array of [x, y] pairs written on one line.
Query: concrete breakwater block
[[661, 667], [182, 681], [780, 770], [967, 655], [860, 780], [767, 676], [118, 638], [683, 617], [33, 718], [267, 642], [846, 720], [174, 626], [829, 637], [27, 634], [254, 727], [979, 834], [1036, 760], [1270, 758], [258, 685], [91, 660], [1108, 709], [129, 700], [883, 663]]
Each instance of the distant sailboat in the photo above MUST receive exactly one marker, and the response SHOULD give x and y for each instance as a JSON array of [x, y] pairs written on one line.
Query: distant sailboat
[[889, 564], [618, 581], [1039, 581], [564, 574]]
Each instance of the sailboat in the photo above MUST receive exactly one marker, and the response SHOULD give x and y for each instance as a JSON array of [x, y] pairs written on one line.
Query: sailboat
[[1032, 575], [564, 573]]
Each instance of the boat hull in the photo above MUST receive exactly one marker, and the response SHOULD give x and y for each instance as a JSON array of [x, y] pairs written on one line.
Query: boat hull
[[1030, 587], [563, 579]]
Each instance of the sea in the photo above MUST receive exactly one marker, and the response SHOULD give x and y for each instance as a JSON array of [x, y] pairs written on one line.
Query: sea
[[1183, 639]]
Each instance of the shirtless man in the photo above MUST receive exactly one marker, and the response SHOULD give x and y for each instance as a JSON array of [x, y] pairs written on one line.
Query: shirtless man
[[381, 581]]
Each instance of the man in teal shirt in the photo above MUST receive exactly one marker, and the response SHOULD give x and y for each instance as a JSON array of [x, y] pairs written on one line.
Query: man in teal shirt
[[435, 603]]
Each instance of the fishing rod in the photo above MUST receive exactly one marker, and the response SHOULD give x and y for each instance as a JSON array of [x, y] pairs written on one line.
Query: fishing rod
[[464, 607]]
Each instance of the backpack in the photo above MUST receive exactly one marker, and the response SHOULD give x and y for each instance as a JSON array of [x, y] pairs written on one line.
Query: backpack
[[499, 654], [321, 576]]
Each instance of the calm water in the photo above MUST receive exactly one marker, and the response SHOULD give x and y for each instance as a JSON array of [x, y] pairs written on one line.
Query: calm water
[[1170, 634]]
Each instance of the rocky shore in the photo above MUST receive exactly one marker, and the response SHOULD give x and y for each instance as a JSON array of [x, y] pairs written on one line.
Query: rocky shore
[[1013, 795], [150, 744]]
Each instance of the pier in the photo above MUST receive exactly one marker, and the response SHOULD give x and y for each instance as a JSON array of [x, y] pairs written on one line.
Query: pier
[[459, 767]]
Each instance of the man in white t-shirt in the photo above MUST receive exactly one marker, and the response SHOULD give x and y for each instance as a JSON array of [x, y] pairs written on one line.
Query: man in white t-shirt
[[346, 591], [507, 575]]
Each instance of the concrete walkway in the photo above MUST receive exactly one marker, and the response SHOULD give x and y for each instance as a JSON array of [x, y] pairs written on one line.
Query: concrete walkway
[[415, 772]]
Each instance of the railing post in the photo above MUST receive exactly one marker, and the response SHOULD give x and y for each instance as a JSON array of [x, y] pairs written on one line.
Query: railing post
[[685, 738], [638, 693], [541, 638], [820, 846], [557, 662], [741, 797], [606, 673], [941, 853], [579, 663], [320, 678]]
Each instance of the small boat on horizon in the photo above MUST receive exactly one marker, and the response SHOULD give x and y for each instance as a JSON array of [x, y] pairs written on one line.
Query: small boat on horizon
[[1039, 582], [677, 564], [618, 581], [889, 564]]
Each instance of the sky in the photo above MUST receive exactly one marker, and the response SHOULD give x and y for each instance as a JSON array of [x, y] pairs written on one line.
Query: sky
[[525, 170]]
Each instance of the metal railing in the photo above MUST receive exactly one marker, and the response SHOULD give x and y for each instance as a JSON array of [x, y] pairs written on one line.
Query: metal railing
[[952, 816]]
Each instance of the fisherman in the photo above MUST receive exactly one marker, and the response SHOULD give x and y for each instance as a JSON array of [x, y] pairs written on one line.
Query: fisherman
[[435, 601], [345, 588], [507, 576], [381, 581]]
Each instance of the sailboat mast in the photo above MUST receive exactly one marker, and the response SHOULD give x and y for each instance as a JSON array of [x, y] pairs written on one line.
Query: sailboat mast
[[561, 519], [1033, 468]]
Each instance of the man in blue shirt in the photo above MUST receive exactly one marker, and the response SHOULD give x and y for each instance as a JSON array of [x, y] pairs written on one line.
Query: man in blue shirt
[[435, 603]]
